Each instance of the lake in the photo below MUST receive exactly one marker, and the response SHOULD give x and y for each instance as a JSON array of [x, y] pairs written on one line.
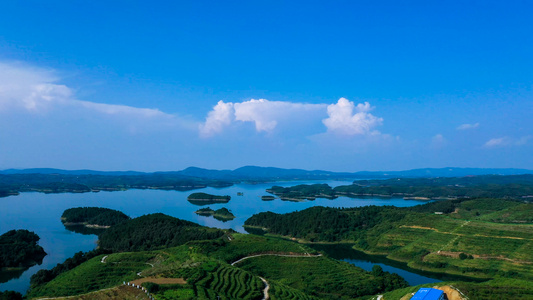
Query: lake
[[41, 213]]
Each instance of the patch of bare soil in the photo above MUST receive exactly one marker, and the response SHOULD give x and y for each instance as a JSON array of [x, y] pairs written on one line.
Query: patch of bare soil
[[160, 280], [452, 293]]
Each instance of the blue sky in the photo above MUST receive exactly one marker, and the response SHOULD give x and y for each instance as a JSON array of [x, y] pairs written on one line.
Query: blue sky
[[335, 85]]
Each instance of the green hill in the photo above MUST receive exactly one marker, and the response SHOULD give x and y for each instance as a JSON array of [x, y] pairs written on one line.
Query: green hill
[[154, 231], [465, 237]]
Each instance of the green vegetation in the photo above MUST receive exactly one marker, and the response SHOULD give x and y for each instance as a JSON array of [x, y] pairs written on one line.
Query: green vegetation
[[267, 198], [154, 231], [323, 277], [488, 186], [18, 248], [12, 184], [205, 271], [242, 245], [445, 243], [93, 216], [222, 214], [206, 199], [303, 192], [43, 276], [92, 275], [10, 295]]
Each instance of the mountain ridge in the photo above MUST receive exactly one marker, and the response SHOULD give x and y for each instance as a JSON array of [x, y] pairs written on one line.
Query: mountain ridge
[[256, 172]]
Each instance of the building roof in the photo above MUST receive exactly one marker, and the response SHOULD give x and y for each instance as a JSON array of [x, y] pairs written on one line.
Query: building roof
[[427, 294]]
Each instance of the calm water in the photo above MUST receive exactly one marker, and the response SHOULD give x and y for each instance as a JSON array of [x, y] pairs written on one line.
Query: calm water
[[346, 253], [41, 213]]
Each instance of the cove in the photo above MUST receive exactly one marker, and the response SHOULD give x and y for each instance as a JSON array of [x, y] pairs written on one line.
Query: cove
[[346, 253]]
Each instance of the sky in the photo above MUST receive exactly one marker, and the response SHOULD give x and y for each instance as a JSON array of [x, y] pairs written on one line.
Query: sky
[[330, 85]]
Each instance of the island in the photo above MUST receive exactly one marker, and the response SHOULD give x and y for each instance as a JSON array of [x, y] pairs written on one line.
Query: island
[[267, 198], [303, 192], [19, 249], [93, 217], [206, 199], [222, 214]]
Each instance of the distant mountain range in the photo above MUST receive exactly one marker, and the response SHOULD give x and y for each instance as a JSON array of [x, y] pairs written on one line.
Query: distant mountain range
[[253, 173]]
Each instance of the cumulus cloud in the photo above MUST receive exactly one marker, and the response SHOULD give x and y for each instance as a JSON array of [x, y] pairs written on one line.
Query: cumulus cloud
[[264, 114], [220, 117], [507, 141], [347, 119], [467, 126]]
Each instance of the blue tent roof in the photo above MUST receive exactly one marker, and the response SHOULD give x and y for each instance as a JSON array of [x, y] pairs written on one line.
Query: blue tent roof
[[427, 294]]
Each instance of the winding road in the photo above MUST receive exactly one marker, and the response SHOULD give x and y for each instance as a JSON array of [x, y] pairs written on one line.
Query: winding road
[[272, 254], [267, 286]]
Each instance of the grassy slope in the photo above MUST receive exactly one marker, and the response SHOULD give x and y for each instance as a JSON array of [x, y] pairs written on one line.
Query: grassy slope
[[204, 264], [324, 277], [495, 234], [434, 242]]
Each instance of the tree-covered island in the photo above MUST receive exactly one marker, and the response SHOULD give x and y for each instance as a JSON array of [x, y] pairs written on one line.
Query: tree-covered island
[[222, 214], [93, 217], [302, 192], [19, 249], [206, 199]]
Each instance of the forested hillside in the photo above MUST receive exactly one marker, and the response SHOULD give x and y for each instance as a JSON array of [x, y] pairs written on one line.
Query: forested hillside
[[154, 231]]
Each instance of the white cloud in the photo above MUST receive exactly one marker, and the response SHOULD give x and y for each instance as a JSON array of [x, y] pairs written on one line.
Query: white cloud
[[343, 120], [507, 141], [438, 141], [36, 90], [266, 115], [217, 119], [467, 126]]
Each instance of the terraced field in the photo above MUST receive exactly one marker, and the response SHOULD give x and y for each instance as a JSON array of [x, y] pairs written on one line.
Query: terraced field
[[232, 282], [95, 275], [467, 247]]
